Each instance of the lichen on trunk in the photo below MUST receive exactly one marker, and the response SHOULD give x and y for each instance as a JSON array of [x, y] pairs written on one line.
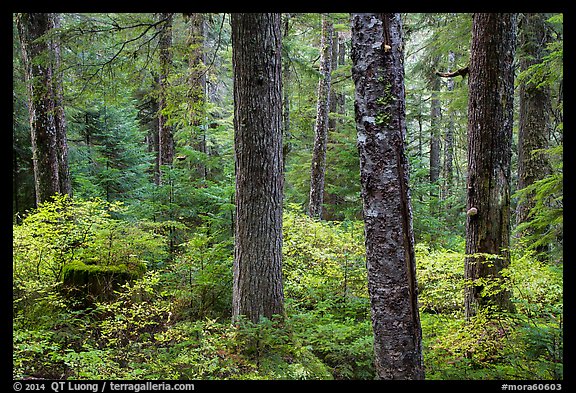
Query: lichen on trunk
[[378, 74]]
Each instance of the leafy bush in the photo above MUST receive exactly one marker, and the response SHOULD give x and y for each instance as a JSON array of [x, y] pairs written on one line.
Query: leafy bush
[[322, 259], [173, 322], [64, 230], [524, 344], [440, 276]]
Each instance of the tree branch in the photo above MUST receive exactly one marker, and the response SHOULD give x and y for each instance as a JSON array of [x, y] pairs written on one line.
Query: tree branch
[[462, 72]]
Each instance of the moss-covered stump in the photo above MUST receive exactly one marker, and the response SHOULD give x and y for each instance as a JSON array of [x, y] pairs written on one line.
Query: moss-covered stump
[[96, 282]]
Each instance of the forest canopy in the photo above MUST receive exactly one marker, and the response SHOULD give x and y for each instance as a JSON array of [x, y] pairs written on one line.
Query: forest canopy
[[218, 196]]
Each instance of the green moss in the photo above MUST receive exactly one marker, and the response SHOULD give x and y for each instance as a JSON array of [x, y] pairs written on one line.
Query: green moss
[[96, 280], [383, 118]]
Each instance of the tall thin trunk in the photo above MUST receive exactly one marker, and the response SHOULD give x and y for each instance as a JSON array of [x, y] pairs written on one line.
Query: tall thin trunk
[[333, 100], [256, 58], [378, 73], [197, 84], [165, 137], [490, 115], [449, 141], [340, 97], [318, 167], [435, 146], [59, 117], [435, 118], [153, 145], [287, 147]]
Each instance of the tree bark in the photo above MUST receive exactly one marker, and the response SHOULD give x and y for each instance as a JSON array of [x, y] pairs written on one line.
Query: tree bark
[[340, 96], [449, 143], [435, 118], [40, 55], [533, 122], [490, 115], [197, 85], [318, 168], [286, 75], [165, 137], [256, 57], [378, 73], [59, 117], [334, 99]]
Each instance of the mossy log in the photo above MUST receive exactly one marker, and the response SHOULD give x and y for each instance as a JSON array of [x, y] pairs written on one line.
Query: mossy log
[[96, 282]]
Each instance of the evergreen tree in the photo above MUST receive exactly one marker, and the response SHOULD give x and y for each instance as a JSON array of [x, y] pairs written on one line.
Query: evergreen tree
[[256, 43], [534, 114], [490, 115]]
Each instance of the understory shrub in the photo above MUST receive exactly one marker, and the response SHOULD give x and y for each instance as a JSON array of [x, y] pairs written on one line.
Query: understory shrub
[[524, 344], [171, 320]]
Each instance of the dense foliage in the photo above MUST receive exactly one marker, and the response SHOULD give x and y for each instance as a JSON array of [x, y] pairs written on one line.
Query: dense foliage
[[129, 279], [173, 321]]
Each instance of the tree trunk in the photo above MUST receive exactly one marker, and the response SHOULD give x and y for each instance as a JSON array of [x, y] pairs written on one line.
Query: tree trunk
[[165, 137], [47, 123], [378, 73], [449, 142], [340, 96], [256, 57], [435, 118], [59, 117], [197, 85], [287, 146], [334, 99], [318, 169], [533, 123], [490, 115]]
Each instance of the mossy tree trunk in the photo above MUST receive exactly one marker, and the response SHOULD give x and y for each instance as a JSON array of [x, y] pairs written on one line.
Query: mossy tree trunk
[[318, 167], [41, 59], [534, 116], [378, 73], [490, 115]]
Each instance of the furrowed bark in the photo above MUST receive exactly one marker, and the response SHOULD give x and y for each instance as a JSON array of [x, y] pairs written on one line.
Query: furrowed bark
[[490, 115], [257, 287]]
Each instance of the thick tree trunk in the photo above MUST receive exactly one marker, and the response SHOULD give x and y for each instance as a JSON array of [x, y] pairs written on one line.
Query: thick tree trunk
[[378, 73], [318, 168], [256, 56], [165, 137], [490, 115], [47, 123], [533, 123]]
